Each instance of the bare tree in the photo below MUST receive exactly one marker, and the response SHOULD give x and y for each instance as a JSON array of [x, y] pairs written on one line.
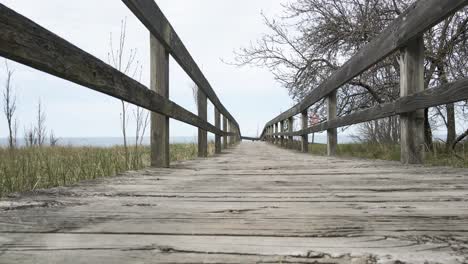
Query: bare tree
[[9, 107], [124, 62], [40, 129], [315, 37]]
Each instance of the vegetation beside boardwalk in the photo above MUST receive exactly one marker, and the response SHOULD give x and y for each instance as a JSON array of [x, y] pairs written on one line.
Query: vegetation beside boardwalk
[[438, 157], [31, 168]]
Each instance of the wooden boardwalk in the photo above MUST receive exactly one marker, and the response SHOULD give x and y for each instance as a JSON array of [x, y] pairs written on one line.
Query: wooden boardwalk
[[256, 203]]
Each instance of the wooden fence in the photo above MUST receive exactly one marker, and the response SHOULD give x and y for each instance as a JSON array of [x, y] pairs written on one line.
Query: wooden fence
[[406, 35], [26, 42]]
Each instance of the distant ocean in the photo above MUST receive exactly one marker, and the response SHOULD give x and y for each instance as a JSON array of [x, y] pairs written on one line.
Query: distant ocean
[[113, 141]]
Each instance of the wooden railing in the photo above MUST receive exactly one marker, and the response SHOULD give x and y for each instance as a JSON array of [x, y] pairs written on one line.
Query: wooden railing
[[24, 41], [404, 34]]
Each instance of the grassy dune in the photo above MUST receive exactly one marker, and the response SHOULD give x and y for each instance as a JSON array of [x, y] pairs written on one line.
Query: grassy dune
[[31, 168]]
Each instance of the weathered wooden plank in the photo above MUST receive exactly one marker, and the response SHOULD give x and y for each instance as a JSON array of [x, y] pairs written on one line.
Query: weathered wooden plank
[[202, 134], [257, 200], [332, 136], [418, 18], [217, 117], [159, 123], [26, 42], [250, 138], [148, 12], [448, 93], [290, 129], [305, 138], [225, 129], [412, 81]]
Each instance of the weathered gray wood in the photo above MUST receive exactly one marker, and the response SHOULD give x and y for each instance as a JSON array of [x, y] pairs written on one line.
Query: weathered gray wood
[[305, 138], [255, 204], [412, 81], [250, 138], [202, 134], [225, 129], [290, 129], [276, 131], [26, 42], [282, 131], [418, 18], [332, 136], [217, 117], [148, 12], [448, 93], [231, 130], [159, 123]]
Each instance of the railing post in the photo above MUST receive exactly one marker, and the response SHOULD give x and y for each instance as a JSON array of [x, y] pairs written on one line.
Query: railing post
[[305, 138], [282, 131], [276, 131], [225, 129], [159, 70], [332, 137], [291, 129], [202, 134], [412, 81], [230, 131], [217, 117]]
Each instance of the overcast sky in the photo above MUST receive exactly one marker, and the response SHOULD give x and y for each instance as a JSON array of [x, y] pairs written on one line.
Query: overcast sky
[[210, 29]]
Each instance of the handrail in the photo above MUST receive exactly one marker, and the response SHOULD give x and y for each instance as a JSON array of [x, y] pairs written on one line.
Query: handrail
[[444, 94], [148, 12], [404, 34], [417, 19], [26, 42]]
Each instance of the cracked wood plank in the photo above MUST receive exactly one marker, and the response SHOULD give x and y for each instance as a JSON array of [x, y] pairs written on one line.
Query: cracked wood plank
[[255, 204]]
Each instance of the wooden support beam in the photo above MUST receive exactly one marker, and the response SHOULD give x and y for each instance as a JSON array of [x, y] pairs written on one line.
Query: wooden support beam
[[202, 134], [332, 137], [305, 138], [159, 123], [217, 116], [225, 129], [149, 13], [231, 130], [444, 94], [414, 21], [282, 131], [412, 81], [276, 131], [26, 42], [290, 129]]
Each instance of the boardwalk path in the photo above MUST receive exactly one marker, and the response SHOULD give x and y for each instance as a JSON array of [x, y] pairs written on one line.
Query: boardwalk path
[[255, 204]]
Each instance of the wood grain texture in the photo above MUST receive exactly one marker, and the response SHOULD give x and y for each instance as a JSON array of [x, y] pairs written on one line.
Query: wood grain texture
[[159, 73], [304, 138], [332, 136], [256, 203], [412, 123], [148, 12], [217, 117], [26, 42], [203, 114], [444, 94], [418, 18]]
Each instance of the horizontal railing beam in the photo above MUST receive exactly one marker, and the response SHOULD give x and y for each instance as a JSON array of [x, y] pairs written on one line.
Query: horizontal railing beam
[[445, 94], [250, 138], [417, 19], [148, 12], [24, 41]]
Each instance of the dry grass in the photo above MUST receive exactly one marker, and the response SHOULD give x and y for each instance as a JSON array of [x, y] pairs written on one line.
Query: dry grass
[[31, 168], [439, 156]]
